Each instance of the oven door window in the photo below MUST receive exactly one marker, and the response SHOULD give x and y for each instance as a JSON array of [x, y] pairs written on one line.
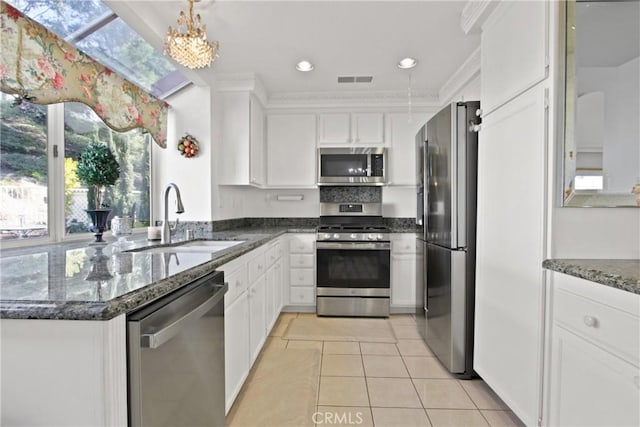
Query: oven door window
[[343, 165], [352, 268]]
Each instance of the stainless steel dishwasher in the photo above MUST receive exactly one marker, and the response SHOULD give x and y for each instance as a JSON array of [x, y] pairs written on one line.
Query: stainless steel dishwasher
[[176, 357]]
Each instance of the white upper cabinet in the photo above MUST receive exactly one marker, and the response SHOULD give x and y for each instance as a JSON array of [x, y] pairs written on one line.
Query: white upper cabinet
[[291, 152], [339, 129], [242, 139], [402, 152], [514, 51], [334, 128]]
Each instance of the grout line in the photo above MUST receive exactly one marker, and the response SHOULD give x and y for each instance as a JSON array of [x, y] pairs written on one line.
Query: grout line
[[366, 383], [467, 393]]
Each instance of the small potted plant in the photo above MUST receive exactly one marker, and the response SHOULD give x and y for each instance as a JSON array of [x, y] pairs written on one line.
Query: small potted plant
[[97, 168]]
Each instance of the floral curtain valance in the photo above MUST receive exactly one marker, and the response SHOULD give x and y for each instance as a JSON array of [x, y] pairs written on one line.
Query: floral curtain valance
[[43, 69]]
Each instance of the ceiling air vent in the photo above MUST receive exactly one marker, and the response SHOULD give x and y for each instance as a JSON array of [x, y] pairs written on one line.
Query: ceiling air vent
[[355, 79]]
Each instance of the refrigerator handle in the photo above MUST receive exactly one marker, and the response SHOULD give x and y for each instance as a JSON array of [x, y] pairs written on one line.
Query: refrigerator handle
[[459, 216]]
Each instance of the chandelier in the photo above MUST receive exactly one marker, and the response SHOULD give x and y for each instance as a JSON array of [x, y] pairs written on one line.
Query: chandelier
[[188, 43]]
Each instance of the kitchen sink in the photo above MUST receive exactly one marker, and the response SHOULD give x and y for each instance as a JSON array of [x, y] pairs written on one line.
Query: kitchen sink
[[206, 246]]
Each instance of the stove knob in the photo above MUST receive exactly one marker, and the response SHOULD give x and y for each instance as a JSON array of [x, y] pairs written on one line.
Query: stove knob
[[336, 236], [372, 237], [380, 237], [326, 236], [354, 236]]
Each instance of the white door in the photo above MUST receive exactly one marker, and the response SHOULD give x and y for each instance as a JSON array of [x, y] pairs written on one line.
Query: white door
[[589, 386], [334, 129], [257, 151], [291, 150], [368, 128], [402, 131], [236, 346], [403, 280], [510, 251], [257, 316]]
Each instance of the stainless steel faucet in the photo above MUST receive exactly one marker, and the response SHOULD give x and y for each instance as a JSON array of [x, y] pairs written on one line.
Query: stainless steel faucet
[[166, 229]]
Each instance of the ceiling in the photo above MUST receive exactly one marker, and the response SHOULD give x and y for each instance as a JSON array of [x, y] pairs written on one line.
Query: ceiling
[[339, 37]]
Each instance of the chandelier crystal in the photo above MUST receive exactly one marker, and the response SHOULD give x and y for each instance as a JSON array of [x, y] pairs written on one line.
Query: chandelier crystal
[[188, 43]]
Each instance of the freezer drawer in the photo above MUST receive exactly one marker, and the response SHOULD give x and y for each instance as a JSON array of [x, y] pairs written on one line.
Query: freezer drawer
[[448, 312]]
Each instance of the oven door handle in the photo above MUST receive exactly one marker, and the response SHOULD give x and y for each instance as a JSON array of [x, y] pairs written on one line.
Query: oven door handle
[[354, 246]]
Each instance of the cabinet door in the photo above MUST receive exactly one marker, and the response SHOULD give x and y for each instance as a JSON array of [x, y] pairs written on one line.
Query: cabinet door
[[257, 150], [291, 150], [257, 316], [334, 128], [514, 49], [510, 251], [368, 128], [236, 347], [402, 153], [403, 280], [589, 386], [234, 143], [273, 302]]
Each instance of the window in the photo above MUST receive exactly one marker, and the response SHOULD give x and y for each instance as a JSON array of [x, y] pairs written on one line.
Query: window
[[130, 195], [25, 164], [23, 170], [94, 29]]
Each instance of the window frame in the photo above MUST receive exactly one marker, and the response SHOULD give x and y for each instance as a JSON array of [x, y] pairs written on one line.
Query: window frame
[[55, 189]]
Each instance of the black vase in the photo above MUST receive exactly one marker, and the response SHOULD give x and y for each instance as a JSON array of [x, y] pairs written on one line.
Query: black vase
[[99, 220]]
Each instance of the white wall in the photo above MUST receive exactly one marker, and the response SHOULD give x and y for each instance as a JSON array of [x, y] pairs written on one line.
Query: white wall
[[621, 154], [190, 112], [596, 233]]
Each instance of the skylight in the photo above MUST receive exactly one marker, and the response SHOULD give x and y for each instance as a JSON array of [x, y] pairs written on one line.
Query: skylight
[[94, 29]]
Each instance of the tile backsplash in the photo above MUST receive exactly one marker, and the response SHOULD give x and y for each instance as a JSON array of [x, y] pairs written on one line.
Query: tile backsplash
[[351, 194]]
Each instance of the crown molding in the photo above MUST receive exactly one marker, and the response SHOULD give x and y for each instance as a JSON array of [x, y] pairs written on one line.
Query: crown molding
[[469, 70], [475, 13], [244, 82], [350, 99]]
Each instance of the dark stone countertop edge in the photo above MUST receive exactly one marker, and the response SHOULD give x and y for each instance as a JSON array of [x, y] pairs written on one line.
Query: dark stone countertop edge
[[597, 275], [79, 310], [107, 310]]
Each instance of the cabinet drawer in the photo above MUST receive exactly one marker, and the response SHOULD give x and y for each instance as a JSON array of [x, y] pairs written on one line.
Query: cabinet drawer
[[615, 330], [302, 295], [256, 267], [238, 283], [301, 277], [273, 253], [301, 261], [303, 244]]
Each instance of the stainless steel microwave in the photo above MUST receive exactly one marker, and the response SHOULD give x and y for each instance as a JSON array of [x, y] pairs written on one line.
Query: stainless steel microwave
[[352, 166]]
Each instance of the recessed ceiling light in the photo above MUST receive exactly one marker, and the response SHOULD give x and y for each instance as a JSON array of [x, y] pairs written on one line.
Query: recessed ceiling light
[[408, 62], [304, 66]]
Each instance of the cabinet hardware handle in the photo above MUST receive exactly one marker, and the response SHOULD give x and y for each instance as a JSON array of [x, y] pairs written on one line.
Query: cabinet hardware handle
[[591, 321]]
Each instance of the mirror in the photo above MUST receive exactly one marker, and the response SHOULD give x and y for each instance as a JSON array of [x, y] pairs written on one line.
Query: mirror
[[602, 104]]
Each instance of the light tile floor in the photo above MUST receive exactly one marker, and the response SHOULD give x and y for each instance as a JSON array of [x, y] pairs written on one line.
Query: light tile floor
[[306, 382]]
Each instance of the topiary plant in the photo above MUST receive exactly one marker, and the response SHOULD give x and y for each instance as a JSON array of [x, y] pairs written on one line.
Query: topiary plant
[[97, 168]]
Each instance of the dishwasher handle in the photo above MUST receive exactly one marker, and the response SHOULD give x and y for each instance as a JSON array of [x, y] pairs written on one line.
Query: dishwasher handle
[[157, 339]]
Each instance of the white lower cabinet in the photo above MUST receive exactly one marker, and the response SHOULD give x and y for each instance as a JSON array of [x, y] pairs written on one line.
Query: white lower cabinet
[[403, 272], [594, 376], [403, 281], [302, 273], [257, 316], [236, 348], [252, 305]]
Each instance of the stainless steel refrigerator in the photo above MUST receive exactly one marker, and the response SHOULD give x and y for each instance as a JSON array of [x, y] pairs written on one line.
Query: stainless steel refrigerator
[[446, 160]]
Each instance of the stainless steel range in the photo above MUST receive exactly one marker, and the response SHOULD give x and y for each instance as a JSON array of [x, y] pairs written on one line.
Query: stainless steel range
[[353, 258]]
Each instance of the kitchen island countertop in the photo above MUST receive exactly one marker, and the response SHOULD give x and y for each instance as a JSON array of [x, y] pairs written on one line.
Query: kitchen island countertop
[[622, 274], [77, 281]]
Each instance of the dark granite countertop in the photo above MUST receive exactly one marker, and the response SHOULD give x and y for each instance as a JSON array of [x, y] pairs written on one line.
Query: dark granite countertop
[[77, 281], [618, 273]]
